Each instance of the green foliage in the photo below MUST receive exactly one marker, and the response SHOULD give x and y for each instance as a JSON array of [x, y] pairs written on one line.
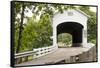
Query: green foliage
[[28, 35], [35, 34], [16, 35], [65, 38]]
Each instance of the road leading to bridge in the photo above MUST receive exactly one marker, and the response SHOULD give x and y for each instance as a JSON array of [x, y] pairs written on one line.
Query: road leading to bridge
[[55, 57]]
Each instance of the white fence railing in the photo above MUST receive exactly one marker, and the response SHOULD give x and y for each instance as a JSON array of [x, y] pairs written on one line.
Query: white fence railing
[[44, 51], [24, 54], [38, 52]]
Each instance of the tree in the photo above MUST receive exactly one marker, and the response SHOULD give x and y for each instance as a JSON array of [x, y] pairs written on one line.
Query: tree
[[20, 28], [65, 38], [20, 9]]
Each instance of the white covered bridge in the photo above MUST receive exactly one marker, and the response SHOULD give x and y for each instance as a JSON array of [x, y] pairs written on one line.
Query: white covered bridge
[[73, 22]]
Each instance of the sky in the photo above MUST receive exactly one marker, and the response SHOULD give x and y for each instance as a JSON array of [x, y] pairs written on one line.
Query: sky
[[93, 9]]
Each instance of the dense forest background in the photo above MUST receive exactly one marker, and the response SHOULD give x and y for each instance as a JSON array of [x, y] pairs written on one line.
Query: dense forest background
[[35, 30]]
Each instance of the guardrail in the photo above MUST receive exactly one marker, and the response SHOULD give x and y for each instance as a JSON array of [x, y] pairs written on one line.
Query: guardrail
[[22, 57], [24, 54], [38, 52], [44, 51]]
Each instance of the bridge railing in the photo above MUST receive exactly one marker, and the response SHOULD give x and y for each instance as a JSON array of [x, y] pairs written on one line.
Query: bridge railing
[[44, 51], [24, 56], [38, 52]]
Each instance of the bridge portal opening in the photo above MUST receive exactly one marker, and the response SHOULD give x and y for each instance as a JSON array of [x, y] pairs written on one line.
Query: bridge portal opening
[[73, 28], [64, 40]]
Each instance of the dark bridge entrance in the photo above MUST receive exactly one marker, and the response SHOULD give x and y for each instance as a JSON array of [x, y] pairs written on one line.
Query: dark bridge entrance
[[73, 28]]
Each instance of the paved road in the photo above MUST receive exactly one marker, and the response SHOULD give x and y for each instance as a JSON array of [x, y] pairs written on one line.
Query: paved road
[[60, 54]]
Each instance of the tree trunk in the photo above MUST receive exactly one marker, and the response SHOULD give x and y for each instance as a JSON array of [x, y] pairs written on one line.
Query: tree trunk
[[20, 29]]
